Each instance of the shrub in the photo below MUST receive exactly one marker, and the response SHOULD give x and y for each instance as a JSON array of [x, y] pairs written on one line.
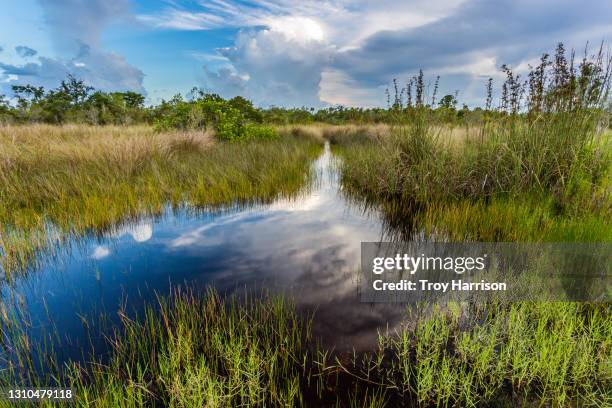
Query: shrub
[[229, 124], [264, 132]]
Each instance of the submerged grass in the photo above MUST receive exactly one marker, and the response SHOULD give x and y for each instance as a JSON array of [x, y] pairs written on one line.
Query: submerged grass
[[189, 350], [56, 181]]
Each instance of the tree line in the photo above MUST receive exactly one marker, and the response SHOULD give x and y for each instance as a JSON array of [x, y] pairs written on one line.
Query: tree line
[[560, 83]]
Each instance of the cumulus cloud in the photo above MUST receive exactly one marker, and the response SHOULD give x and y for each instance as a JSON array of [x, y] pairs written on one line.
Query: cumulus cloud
[[360, 46], [474, 41], [278, 65], [283, 57], [25, 52], [75, 27]]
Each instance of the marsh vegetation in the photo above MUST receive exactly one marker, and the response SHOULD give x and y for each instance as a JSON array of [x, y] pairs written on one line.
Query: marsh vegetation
[[59, 181], [535, 169]]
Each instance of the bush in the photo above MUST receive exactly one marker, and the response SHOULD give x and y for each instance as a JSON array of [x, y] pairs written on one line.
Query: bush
[[261, 132], [229, 124]]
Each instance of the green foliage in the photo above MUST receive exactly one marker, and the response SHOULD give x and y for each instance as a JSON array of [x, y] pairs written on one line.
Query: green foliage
[[448, 102], [5, 109], [230, 124], [246, 108], [233, 120], [261, 132]]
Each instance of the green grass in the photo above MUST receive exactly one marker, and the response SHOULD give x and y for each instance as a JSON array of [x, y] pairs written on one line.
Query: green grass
[[200, 349], [508, 180], [190, 350], [59, 181], [525, 353]]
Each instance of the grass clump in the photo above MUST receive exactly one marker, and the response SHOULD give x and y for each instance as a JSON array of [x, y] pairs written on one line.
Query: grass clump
[[192, 350], [555, 354], [540, 178]]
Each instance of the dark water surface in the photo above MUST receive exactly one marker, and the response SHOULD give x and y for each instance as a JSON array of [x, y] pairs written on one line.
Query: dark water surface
[[307, 246]]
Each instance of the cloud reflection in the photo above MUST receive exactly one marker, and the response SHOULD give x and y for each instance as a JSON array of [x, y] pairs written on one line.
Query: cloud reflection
[[100, 252], [139, 232]]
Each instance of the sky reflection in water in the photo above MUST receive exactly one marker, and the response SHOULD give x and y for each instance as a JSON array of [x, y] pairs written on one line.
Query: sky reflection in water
[[309, 246]]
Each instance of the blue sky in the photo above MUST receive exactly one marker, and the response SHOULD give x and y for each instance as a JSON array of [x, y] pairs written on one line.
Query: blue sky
[[286, 52]]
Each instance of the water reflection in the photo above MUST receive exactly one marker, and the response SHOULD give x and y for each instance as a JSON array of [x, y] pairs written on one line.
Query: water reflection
[[308, 246]]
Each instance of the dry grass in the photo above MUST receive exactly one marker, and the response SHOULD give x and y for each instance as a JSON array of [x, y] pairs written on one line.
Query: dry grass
[[344, 134], [78, 142]]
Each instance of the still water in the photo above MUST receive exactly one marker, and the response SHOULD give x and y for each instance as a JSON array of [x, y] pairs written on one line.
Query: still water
[[308, 246]]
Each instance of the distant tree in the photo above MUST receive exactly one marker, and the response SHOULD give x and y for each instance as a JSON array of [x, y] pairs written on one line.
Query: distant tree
[[27, 94], [4, 104], [76, 89], [246, 107], [448, 102], [5, 108], [133, 100], [55, 106]]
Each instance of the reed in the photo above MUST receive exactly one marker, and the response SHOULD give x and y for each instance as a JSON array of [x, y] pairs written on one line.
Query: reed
[[190, 350], [507, 180]]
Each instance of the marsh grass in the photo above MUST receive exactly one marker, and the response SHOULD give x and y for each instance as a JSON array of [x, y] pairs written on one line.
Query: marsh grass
[[550, 353], [508, 180], [194, 349], [188, 350], [69, 180], [545, 150]]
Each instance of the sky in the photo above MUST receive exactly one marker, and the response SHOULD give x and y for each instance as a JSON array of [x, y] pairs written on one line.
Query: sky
[[289, 53]]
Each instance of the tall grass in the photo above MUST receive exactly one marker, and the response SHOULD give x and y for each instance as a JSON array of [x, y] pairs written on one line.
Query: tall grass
[[537, 177], [188, 350], [548, 142], [56, 181], [530, 353]]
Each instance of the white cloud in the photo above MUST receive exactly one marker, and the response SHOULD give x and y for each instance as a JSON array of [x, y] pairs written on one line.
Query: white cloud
[[286, 47], [302, 30], [360, 46], [338, 88], [102, 70], [278, 65]]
